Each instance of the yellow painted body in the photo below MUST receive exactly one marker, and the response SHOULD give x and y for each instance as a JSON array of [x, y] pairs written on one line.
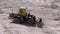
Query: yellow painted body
[[22, 11]]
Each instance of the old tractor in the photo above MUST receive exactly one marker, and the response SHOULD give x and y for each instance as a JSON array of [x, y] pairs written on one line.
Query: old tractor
[[24, 17]]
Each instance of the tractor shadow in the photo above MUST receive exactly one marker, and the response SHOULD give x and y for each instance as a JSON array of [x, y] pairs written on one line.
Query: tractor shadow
[[23, 23]]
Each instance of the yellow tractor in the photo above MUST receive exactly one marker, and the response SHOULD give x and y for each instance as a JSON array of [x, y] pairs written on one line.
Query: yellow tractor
[[24, 17]]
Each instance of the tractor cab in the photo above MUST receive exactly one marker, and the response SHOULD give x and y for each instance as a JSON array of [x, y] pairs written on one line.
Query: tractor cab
[[22, 11]]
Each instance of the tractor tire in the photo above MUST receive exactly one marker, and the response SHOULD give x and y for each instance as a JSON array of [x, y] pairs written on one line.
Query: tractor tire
[[31, 20], [16, 20]]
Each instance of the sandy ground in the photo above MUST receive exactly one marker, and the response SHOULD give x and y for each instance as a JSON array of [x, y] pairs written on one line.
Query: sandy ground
[[39, 8]]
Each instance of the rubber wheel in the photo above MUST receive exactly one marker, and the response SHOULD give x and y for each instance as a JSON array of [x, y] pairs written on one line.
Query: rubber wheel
[[31, 21]]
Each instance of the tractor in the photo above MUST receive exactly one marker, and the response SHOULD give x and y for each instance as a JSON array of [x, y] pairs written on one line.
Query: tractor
[[23, 17]]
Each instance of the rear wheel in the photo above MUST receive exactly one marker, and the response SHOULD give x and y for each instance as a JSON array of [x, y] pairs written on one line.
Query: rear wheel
[[16, 20]]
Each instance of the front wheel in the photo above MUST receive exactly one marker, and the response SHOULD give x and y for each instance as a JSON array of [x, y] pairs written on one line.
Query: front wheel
[[31, 20]]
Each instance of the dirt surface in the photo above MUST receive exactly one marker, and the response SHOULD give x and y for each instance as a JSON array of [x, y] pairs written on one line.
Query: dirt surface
[[48, 10]]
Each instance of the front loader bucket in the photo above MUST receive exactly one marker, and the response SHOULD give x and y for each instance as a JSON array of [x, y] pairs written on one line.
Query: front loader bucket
[[40, 23]]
